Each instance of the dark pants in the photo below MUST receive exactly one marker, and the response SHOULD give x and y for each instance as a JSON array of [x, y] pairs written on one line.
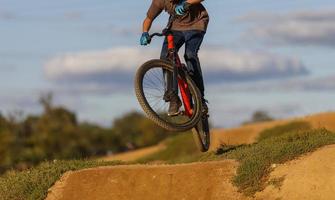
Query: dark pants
[[192, 40]]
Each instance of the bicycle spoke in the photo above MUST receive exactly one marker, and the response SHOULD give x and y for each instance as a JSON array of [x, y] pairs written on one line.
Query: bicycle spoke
[[157, 77], [153, 86], [152, 83], [154, 95]]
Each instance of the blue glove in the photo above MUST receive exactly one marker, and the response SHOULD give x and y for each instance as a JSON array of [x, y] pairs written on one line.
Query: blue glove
[[181, 8], [145, 40]]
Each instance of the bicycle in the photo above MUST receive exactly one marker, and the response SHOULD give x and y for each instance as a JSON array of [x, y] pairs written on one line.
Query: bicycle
[[151, 83]]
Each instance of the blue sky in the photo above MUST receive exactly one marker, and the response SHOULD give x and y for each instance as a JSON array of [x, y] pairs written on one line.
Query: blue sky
[[271, 55]]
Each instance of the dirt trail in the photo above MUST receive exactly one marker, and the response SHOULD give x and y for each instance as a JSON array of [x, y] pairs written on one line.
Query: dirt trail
[[311, 177], [209, 180]]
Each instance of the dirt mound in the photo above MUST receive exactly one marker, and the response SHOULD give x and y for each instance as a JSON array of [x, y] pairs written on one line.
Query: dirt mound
[[310, 177], [248, 133], [187, 181]]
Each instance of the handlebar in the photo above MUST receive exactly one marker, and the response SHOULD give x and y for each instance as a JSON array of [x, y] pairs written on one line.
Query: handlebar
[[166, 29], [156, 34]]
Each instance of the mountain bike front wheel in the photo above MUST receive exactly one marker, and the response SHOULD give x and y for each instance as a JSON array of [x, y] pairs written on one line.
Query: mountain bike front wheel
[[150, 89]]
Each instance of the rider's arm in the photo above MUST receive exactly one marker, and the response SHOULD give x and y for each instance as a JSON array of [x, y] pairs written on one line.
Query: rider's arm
[[155, 9], [194, 1], [147, 24]]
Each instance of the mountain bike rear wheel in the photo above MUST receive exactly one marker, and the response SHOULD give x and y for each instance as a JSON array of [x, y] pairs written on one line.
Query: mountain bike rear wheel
[[201, 134], [150, 90]]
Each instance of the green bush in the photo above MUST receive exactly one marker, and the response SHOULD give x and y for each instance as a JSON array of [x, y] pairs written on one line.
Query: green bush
[[135, 130], [259, 116]]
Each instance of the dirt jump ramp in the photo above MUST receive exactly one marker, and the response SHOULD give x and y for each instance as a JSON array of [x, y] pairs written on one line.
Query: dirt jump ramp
[[310, 177], [211, 180]]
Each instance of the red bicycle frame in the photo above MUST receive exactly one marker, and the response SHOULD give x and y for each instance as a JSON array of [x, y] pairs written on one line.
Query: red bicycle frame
[[183, 86]]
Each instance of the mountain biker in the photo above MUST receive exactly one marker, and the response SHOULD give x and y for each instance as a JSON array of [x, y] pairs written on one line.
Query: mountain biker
[[188, 28]]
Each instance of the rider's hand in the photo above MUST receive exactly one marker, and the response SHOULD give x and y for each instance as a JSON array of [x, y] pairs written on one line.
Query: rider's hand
[[181, 8], [145, 39]]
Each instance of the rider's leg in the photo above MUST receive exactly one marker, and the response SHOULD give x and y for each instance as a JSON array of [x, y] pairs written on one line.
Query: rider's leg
[[193, 41], [171, 93]]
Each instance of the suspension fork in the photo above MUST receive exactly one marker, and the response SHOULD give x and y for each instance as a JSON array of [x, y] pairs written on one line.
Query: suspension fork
[[172, 56]]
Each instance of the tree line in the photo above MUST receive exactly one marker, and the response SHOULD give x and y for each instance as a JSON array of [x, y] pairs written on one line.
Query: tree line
[[57, 134]]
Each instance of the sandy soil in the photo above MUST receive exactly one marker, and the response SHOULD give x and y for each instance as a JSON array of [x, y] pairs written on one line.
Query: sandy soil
[[187, 181], [134, 155], [310, 177]]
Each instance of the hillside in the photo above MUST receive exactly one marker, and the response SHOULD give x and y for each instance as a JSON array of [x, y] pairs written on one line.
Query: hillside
[[286, 159], [247, 134]]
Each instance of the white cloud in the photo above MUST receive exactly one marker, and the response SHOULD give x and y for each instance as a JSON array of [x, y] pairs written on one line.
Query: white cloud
[[303, 84], [326, 83], [231, 65], [219, 64], [300, 27]]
